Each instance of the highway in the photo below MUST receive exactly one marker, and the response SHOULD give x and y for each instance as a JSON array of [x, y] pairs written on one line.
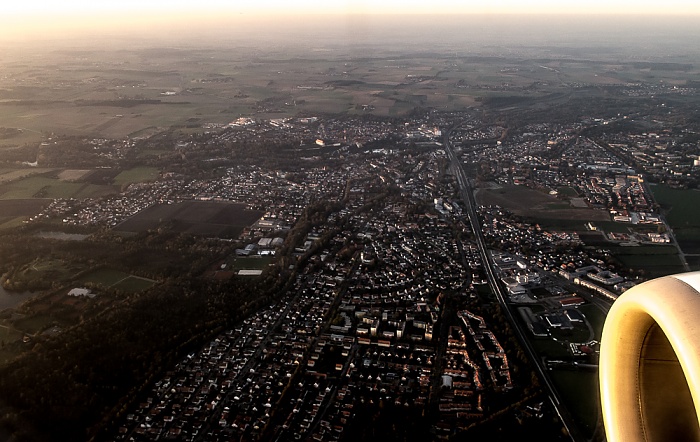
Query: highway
[[467, 194]]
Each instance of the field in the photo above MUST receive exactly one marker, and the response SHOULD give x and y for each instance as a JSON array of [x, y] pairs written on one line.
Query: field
[[134, 284], [73, 174], [679, 205], [116, 279], [595, 317], [101, 176], [22, 207], [10, 222], [575, 225], [655, 260], [551, 348], [681, 209], [579, 390], [49, 187], [9, 175], [253, 263], [34, 323], [196, 217], [615, 227], [136, 175], [537, 205], [25, 192], [140, 91]]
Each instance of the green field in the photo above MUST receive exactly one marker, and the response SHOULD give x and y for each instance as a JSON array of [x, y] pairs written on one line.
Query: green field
[[206, 218], [134, 284], [655, 260], [573, 225], [580, 333], [34, 323], [104, 277], [9, 175], [550, 348], [595, 317], [557, 206], [110, 278], [26, 137], [615, 227], [9, 223], [567, 191], [579, 390], [260, 263], [540, 207], [136, 175], [682, 207], [45, 187]]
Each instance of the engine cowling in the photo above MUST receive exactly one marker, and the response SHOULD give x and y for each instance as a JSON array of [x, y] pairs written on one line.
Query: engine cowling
[[650, 362]]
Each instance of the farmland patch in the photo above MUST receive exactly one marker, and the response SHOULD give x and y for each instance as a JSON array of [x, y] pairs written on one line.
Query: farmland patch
[[22, 207], [196, 217]]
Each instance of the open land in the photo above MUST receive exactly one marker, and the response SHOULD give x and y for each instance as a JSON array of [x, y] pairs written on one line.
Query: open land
[[680, 206], [73, 174], [255, 263], [8, 175], [536, 204], [109, 278], [49, 187], [22, 207], [195, 217], [655, 260], [145, 91], [136, 175]]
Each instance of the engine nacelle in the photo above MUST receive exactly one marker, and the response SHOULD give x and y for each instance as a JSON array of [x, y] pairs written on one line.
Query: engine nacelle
[[650, 362]]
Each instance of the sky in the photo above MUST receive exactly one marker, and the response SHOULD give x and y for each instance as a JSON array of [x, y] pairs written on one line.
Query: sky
[[22, 20], [91, 7]]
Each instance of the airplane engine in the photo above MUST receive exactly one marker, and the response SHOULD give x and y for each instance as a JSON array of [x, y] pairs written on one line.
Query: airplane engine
[[650, 362]]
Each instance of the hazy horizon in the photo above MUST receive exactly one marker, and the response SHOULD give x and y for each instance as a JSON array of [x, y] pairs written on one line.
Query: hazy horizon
[[666, 36], [73, 7]]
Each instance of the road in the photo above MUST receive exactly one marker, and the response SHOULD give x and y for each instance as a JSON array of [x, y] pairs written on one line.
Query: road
[[467, 194]]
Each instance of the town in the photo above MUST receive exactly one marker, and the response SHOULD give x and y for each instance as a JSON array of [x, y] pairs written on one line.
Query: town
[[433, 276], [390, 307]]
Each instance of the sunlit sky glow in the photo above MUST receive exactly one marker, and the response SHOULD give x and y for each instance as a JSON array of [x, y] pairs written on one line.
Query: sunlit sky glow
[[24, 20], [91, 7]]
